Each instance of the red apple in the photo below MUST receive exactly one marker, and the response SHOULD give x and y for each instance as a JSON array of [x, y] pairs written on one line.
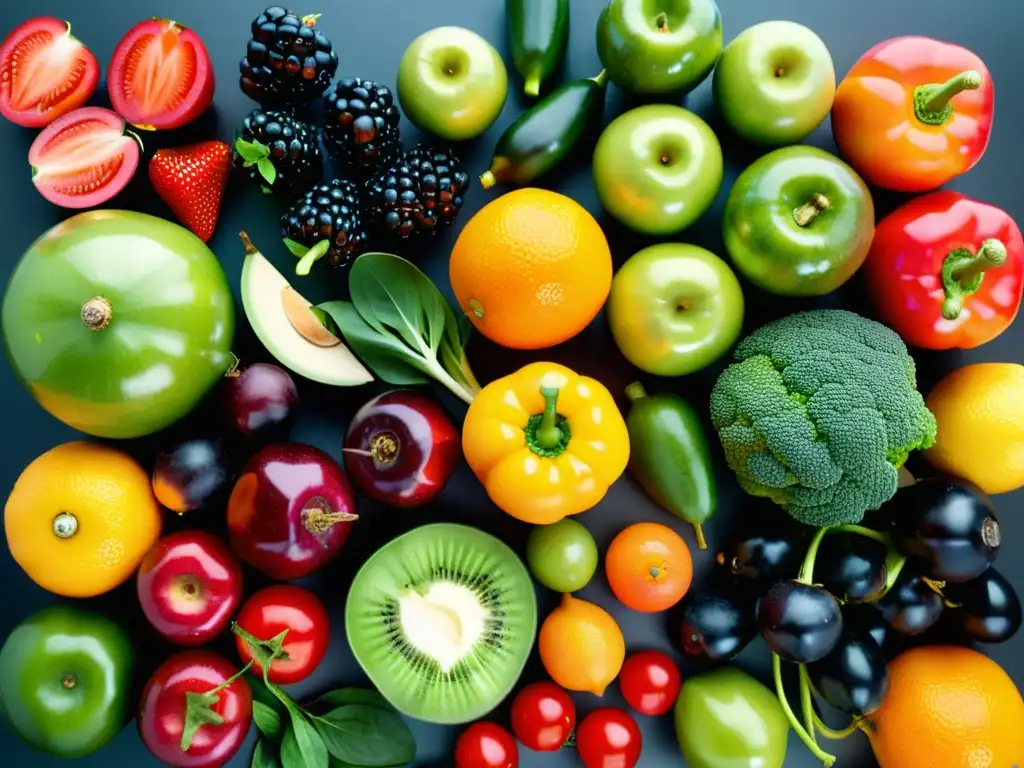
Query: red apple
[[291, 510], [401, 448], [190, 585], [260, 402]]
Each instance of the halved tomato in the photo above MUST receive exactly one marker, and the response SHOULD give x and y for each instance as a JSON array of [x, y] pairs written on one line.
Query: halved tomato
[[160, 76], [84, 158], [44, 72]]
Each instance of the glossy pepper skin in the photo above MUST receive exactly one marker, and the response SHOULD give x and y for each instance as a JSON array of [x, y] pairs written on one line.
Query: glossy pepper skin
[[913, 113], [947, 271], [545, 442]]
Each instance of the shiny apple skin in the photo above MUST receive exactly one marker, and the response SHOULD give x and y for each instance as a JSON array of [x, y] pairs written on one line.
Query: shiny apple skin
[[189, 586], [274, 505], [261, 402], [429, 449]]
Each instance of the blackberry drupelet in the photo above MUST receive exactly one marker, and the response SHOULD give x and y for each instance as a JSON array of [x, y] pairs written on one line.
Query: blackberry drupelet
[[325, 225], [361, 122], [287, 60], [281, 152], [420, 193]]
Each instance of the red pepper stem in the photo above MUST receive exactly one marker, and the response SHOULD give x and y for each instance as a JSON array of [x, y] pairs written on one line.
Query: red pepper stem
[[990, 255], [963, 272], [548, 434], [939, 95]]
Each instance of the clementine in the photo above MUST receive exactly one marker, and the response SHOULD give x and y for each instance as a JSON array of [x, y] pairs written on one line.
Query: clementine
[[531, 269]]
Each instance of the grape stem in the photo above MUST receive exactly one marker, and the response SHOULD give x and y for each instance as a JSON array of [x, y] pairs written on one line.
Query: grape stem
[[827, 760], [807, 569], [831, 734]]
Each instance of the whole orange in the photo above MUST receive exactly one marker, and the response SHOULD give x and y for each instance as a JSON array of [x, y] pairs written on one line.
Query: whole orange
[[948, 707], [531, 269], [80, 519], [649, 567]]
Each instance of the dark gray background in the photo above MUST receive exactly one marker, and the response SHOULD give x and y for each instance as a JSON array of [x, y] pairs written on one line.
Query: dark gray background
[[370, 36]]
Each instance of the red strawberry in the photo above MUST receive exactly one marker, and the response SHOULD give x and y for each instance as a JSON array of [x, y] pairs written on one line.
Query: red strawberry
[[191, 180]]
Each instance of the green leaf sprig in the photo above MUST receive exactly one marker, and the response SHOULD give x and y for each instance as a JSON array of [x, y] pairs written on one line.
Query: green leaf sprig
[[344, 728], [254, 153], [402, 327]]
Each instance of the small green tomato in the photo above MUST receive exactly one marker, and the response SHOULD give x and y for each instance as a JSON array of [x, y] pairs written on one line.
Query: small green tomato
[[562, 556]]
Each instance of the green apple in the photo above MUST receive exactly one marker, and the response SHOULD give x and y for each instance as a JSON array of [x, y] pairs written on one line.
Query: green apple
[[675, 309], [658, 168], [775, 83], [659, 46], [452, 83]]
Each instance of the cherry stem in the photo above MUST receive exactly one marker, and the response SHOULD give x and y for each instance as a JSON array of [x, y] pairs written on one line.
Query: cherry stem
[[806, 704], [860, 530], [833, 735], [807, 569], [827, 760]]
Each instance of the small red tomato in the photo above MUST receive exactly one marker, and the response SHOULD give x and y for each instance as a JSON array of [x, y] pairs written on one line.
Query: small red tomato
[[486, 745], [650, 682], [543, 717], [608, 738], [270, 612], [162, 711]]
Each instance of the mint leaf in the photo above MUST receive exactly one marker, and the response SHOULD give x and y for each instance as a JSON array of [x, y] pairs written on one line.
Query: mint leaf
[[267, 720], [267, 170], [251, 151]]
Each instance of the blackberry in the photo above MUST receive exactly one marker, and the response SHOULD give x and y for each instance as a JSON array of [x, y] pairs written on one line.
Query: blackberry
[[280, 151], [326, 222], [361, 122], [287, 61], [419, 193]]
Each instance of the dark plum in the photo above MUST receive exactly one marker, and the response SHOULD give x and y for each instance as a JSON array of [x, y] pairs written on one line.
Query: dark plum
[[868, 619], [852, 567], [853, 677], [763, 556], [947, 525], [911, 606], [260, 402], [987, 608], [719, 621], [799, 622], [401, 449], [189, 474]]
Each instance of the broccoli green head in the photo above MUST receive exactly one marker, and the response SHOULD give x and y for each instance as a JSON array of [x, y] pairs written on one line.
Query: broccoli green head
[[818, 413]]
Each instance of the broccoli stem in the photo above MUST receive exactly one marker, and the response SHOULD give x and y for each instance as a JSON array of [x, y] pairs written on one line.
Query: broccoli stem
[[809, 211]]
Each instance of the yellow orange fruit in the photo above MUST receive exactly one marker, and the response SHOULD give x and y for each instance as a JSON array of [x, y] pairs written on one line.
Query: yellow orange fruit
[[80, 519], [948, 707], [581, 646], [980, 412], [531, 269]]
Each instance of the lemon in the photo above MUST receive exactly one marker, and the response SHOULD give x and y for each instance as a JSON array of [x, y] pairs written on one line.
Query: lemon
[[581, 646]]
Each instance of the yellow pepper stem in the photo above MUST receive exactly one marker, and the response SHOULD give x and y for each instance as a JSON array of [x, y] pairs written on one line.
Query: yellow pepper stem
[[547, 433]]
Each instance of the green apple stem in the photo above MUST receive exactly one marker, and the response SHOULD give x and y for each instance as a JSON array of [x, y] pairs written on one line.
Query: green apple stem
[[662, 23], [809, 211], [96, 313]]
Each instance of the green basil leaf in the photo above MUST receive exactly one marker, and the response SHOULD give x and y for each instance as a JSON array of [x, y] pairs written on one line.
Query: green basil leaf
[[386, 356], [267, 720], [367, 736], [302, 746], [343, 696], [265, 755], [336, 763]]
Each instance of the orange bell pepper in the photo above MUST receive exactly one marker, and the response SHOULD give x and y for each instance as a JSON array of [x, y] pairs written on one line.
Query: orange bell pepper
[[545, 442], [913, 113]]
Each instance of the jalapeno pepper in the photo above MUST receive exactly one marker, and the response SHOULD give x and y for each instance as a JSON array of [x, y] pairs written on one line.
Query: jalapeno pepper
[[545, 442], [913, 113], [946, 271]]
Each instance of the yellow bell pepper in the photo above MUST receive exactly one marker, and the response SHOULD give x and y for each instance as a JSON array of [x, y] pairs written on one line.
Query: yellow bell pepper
[[545, 442]]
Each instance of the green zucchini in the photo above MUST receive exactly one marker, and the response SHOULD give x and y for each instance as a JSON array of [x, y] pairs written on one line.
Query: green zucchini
[[567, 119], [538, 32], [670, 458]]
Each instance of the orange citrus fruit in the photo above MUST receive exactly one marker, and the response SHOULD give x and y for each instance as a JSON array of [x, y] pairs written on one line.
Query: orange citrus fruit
[[581, 646], [80, 519], [531, 269], [948, 707], [980, 412], [649, 567]]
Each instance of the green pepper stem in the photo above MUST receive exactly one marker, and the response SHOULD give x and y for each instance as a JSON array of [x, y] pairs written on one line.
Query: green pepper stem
[[807, 569], [938, 96], [549, 436], [636, 391], [531, 87], [827, 760], [699, 533], [601, 79], [809, 211]]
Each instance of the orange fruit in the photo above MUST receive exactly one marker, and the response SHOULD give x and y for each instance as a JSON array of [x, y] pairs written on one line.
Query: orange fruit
[[649, 567], [948, 707], [581, 646], [980, 412], [531, 269], [80, 519]]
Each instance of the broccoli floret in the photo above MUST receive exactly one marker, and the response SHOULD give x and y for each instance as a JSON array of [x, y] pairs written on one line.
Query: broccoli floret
[[818, 413]]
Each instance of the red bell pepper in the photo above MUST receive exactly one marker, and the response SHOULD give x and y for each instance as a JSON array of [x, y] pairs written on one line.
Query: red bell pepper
[[946, 271], [913, 113]]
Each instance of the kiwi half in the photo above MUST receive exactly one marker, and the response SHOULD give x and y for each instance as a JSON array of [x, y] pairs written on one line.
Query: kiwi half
[[442, 620]]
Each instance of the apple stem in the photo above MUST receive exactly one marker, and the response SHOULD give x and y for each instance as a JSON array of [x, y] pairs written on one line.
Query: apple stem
[[250, 249], [807, 212], [662, 22], [235, 370], [385, 448], [319, 520], [96, 313], [69, 682]]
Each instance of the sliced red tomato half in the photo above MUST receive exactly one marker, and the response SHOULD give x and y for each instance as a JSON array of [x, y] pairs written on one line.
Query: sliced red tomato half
[[160, 76], [44, 72], [84, 158]]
